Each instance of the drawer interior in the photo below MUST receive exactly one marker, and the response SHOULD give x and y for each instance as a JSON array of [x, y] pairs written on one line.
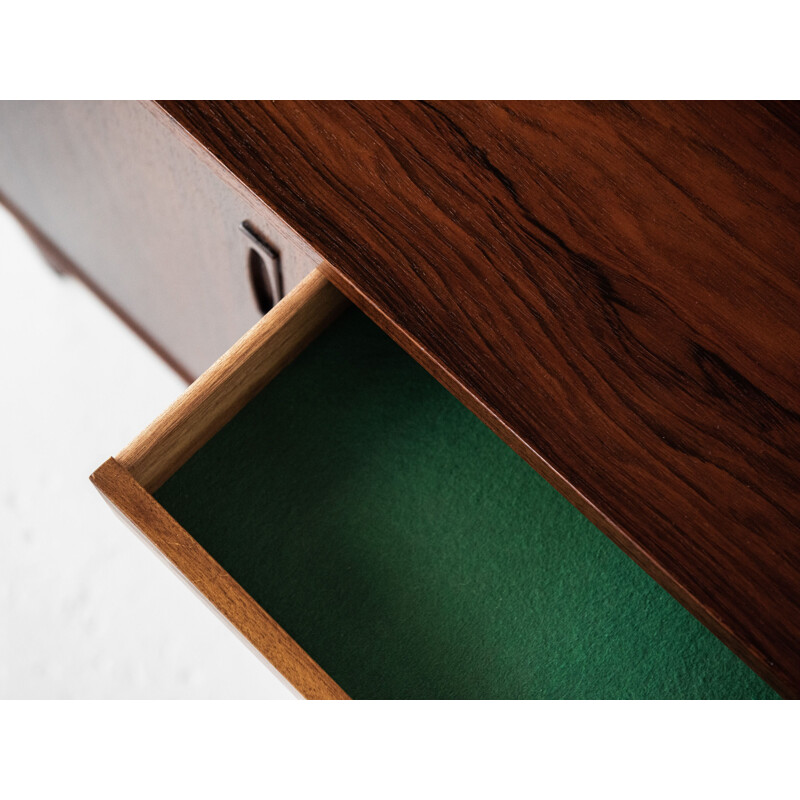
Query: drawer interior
[[412, 554]]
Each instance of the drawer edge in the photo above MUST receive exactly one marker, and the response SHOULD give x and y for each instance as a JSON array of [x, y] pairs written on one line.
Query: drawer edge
[[151, 520], [230, 383]]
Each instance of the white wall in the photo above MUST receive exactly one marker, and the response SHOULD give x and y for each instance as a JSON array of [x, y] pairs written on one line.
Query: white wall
[[86, 609]]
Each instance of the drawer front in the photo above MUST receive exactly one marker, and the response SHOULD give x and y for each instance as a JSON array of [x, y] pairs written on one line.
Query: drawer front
[[369, 535], [149, 218]]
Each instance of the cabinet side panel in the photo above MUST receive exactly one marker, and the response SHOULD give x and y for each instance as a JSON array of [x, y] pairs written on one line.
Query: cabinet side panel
[[149, 217]]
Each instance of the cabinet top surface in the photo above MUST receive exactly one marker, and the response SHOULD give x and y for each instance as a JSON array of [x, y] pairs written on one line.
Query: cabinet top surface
[[617, 288]]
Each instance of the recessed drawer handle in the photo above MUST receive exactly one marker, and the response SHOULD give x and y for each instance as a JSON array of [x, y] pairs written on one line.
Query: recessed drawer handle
[[264, 268]]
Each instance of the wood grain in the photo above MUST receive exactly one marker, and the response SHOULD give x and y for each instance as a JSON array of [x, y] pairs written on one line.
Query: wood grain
[[237, 376], [149, 518], [614, 287]]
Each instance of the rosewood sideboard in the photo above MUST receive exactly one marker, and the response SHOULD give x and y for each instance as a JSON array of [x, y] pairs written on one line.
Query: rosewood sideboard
[[438, 348]]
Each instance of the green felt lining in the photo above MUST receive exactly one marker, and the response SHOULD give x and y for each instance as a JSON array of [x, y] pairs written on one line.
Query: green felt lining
[[414, 555]]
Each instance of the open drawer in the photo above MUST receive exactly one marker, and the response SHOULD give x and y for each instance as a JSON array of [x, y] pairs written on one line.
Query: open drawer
[[372, 538]]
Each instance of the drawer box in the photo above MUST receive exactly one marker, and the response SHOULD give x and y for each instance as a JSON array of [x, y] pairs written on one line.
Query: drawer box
[[371, 538]]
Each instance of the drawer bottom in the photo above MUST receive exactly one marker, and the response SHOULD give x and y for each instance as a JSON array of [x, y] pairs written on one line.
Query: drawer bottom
[[413, 554]]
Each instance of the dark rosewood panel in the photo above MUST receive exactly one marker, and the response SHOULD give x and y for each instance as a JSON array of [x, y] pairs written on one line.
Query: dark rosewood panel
[[615, 288]]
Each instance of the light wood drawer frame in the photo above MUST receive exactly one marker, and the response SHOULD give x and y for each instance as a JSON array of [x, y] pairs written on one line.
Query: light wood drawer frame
[[128, 481]]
